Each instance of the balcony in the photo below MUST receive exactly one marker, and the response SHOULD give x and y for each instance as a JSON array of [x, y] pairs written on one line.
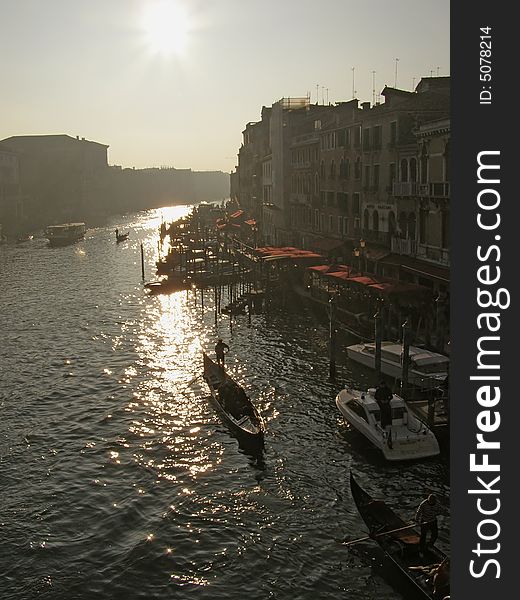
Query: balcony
[[406, 188], [405, 247], [439, 189], [434, 254]]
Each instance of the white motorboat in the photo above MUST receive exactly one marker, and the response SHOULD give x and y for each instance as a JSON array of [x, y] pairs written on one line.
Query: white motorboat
[[407, 438], [426, 369], [66, 233]]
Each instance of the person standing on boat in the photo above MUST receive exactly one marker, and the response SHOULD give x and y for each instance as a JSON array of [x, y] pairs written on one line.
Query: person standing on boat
[[220, 350], [426, 517], [383, 398]]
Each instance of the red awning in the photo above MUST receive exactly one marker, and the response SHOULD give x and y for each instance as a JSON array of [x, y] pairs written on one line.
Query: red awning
[[348, 274], [250, 222], [236, 214], [364, 280]]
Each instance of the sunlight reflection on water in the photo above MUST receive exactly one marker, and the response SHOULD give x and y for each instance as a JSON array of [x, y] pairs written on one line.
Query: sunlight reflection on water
[[122, 481]]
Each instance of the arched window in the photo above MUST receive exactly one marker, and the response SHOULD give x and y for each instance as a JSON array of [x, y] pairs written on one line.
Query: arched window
[[375, 221], [391, 223], [342, 168], [322, 169], [412, 219], [403, 225], [366, 218], [404, 170], [357, 168], [333, 169], [413, 170], [424, 165], [316, 183]]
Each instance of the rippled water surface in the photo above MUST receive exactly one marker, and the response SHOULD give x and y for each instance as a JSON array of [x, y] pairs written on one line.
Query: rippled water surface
[[116, 478]]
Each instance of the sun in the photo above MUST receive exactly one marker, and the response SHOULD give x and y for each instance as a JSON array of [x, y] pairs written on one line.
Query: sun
[[166, 26]]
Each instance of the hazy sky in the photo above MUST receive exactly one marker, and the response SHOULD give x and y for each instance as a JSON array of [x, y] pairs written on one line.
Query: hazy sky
[[173, 82]]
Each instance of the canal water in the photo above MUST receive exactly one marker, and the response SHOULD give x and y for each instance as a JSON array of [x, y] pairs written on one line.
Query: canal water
[[118, 481]]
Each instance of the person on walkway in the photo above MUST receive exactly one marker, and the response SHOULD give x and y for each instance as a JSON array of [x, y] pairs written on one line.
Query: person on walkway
[[220, 350], [426, 517]]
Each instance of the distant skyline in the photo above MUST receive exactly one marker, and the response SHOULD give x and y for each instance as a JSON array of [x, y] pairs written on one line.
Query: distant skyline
[[173, 82]]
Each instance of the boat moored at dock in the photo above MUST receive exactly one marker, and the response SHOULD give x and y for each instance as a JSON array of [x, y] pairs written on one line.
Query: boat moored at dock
[[407, 438], [426, 369]]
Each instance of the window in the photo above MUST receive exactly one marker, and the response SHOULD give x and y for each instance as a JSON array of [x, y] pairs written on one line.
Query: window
[[424, 165], [376, 176], [316, 183], [341, 138], [330, 199], [340, 220], [391, 174], [343, 202], [345, 225], [355, 204], [357, 136], [366, 139], [322, 169], [376, 133], [413, 170], [375, 221], [330, 223], [357, 168], [366, 181], [404, 170], [333, 169], [393, 133]]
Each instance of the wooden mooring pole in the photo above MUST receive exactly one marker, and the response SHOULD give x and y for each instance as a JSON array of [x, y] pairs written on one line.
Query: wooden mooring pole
[[332, 340], [405, 359], [142, 262]]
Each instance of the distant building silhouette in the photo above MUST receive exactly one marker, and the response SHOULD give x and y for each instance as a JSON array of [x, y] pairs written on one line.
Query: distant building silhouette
[[47, 179]]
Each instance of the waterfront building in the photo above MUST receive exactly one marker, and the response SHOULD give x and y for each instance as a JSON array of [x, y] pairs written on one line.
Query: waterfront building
[[60, 175], [11, 197]]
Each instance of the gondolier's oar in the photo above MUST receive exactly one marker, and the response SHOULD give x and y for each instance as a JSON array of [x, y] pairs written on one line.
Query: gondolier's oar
[[371, 537], [190, 383]]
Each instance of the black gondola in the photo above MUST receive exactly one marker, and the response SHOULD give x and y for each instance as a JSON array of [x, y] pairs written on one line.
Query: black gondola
[[430, 573], [121, 237], [233, 406]]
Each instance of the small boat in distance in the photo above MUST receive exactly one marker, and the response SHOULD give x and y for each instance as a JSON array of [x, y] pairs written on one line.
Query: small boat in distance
[[407, 438], [121, 237], [65, 234], [400, 543], [233, 406], [426, 369]]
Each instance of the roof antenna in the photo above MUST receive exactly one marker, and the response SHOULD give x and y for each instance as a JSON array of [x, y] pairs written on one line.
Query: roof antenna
[[353, 79], [373, 88], [395, 80]]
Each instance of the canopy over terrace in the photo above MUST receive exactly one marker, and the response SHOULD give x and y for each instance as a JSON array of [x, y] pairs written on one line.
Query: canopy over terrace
[[346, 277], [272, 253]]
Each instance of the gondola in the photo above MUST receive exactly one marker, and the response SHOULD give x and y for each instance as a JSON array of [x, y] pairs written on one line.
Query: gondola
[[233, 406], [429, 573], [121, 237]]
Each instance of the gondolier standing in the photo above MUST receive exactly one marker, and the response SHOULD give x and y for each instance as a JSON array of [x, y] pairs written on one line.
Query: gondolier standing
[[426, 517], [220, 349]]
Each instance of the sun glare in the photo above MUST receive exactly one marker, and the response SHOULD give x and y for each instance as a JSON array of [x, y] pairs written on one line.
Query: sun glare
[[166, 26]]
